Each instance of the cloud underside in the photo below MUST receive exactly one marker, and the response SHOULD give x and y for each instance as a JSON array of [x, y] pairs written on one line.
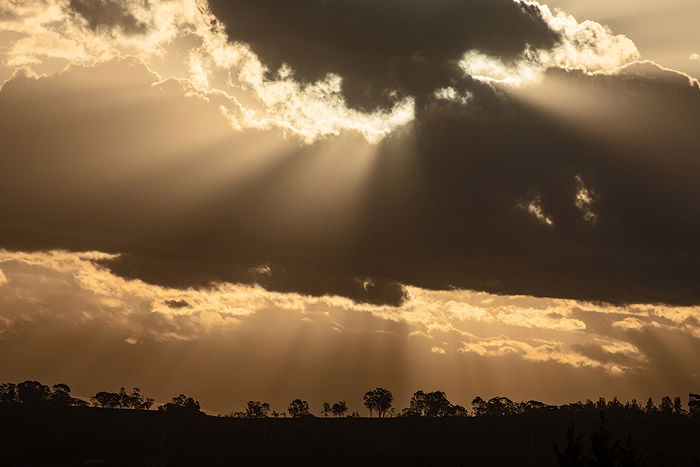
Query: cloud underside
[[77, 315], [579, 186], [382, 48], [496, 194]]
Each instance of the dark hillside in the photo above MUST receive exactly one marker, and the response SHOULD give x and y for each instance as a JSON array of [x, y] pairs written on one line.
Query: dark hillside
[[94, 436]]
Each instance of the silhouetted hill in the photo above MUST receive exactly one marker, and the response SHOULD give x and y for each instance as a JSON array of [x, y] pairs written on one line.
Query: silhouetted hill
[[59, 436]]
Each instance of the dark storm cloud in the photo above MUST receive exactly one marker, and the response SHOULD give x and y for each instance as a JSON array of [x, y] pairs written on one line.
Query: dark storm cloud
[[164, 181], [378, 46], [107, 15]]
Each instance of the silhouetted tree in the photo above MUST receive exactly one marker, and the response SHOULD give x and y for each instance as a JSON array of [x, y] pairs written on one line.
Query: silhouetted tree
[[122, 400], [458, 411], [60, 396], [417, 404], [378, 400], [650, 408], [181, 405], [257, 409], [32, 393], [666, 405], [479, 406], [534, 406], [430, 404], [8, 394], [572, 455], [339, 409], [298, 408], [678, 406], [601, 404], [633, 406], [135, 400], [105, 399], [326, 409], [615, 404], [496, 406], [693, 404]]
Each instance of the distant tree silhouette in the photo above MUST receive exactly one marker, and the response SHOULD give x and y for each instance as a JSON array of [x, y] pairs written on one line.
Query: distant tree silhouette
[[633, 406], [535, 406], [666, 405], [135, 400], [601, 404], [326, 409], [32, 393], [298, 408], [678, 406], [432, 404], [478, 406], [650, 408], [378, 400], [35, 394], [496, 406], [60, 396], [572, 455], [615, 404], [257, 409], [122, 400], [181, 405], [339, 409], [8, 394], [109, 400], [693, 404]]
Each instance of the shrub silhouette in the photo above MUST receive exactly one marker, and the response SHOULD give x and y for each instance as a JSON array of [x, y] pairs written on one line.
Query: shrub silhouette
[[122, 400], [298, 408], [181, 405]]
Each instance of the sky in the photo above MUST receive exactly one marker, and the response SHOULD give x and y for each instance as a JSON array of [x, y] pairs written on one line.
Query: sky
[[268, 200]]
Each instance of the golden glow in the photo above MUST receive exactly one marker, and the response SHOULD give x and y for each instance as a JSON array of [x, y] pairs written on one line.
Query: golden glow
[[317, 110], [434, 334]]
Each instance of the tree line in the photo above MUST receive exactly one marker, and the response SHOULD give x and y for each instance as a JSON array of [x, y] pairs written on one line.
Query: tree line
[[378, 401]]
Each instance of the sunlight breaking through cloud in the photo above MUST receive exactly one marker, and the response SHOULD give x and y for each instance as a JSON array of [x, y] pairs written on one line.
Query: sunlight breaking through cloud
[[50, 30], [60, 30], [456, 321], [587, 46]]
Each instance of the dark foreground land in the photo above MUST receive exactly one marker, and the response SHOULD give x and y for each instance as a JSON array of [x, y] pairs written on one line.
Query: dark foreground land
[[92, 436]]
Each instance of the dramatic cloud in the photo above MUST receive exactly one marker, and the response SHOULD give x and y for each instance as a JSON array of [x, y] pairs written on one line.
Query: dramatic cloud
[[341, 149], [63, 317], [182, 39], [382, 48], [385, 49], [444, 203]]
